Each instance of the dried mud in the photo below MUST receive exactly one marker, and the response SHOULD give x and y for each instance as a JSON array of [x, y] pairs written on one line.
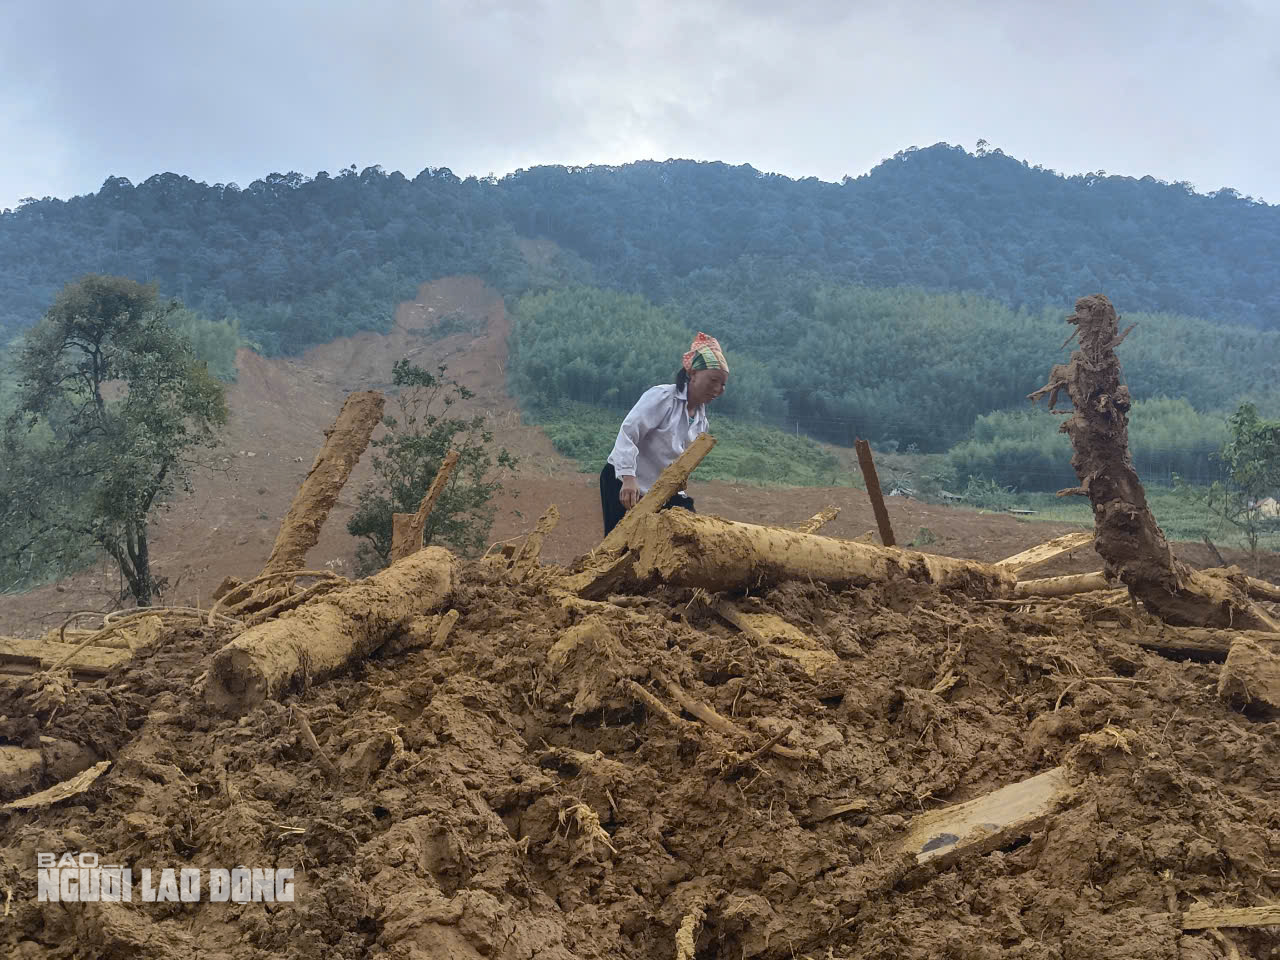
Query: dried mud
[[507, 795]]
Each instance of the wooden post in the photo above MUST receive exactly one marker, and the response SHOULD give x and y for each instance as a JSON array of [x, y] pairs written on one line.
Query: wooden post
[[873, 491], [344, 443], [401, 535], [418, 521]]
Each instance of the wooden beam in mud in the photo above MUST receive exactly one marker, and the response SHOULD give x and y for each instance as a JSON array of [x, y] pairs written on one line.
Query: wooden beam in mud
[[939, 838], [868, 465], [29, 656], [1020, 563], [1065, 586], [818, 520], [1209, 918]]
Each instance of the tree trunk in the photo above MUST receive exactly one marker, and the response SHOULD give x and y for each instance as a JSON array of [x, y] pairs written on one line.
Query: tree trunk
[[345, 443], [323, 637], [1129, 540], [694, 550]]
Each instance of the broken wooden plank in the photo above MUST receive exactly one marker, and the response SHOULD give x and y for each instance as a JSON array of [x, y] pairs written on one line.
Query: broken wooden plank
[[818, 520], [670, 482], [1020, 563], [38, 655], [344, 444], [942, 837], [61, 791], [1208, 918], [1251, 674], [868, 465]]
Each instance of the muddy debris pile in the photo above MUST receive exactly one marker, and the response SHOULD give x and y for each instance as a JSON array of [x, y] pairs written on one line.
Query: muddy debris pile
[[883, 768], [706, 739]]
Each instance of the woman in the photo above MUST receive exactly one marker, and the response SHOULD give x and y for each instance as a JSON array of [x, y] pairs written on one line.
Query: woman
[[664, 421]]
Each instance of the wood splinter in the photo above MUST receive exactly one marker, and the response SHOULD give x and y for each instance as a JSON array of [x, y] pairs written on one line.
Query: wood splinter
[[309, 738], [716, 722]]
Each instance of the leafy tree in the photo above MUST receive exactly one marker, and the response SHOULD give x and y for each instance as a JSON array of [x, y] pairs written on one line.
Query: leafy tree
[[1251, 456], [407, 458], [110, 405]]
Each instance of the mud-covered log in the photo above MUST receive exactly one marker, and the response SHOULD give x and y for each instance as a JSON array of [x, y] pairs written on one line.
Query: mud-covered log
[[323, 637], [531, 549], [1130, 542], [1064, 586], [344, 444], [694, 550]]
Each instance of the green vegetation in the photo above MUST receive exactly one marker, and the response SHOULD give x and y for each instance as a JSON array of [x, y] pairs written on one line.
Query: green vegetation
[[744, 452], [1025, 450], [109, 409], [916, 306], [1251, 457], [1181, 518], [903, 368], [407, 458], [300, 260]]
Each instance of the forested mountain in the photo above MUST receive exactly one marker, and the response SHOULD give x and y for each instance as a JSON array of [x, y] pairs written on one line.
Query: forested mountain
[[300, 260]]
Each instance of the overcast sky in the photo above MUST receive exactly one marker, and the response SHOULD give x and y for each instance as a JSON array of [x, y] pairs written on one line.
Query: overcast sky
[[235, 89]]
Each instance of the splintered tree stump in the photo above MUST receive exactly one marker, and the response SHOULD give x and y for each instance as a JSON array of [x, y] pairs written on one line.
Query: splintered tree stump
[[694, 550], [1130, 542], [344, 444], [322, 638]]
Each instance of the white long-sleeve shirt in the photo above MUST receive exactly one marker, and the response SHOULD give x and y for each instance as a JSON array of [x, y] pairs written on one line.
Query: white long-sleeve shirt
[[655, 433]]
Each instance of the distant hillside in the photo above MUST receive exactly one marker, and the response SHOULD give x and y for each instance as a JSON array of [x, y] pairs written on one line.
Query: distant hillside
[[301, 260]]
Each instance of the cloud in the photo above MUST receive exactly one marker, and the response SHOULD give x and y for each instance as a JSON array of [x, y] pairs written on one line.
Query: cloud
[[1180, 90]]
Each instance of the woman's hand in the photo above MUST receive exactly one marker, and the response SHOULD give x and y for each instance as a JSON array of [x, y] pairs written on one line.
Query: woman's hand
[[630, 494]]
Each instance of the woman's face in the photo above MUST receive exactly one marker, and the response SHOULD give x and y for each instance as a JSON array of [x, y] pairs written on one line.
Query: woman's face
[[706, 385]]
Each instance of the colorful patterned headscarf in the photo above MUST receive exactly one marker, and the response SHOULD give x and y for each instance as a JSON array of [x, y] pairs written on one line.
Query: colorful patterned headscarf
[[705, 354]]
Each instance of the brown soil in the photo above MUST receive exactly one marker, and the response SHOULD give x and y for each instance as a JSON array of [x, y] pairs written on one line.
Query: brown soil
[[504, 796], [506, 793]]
